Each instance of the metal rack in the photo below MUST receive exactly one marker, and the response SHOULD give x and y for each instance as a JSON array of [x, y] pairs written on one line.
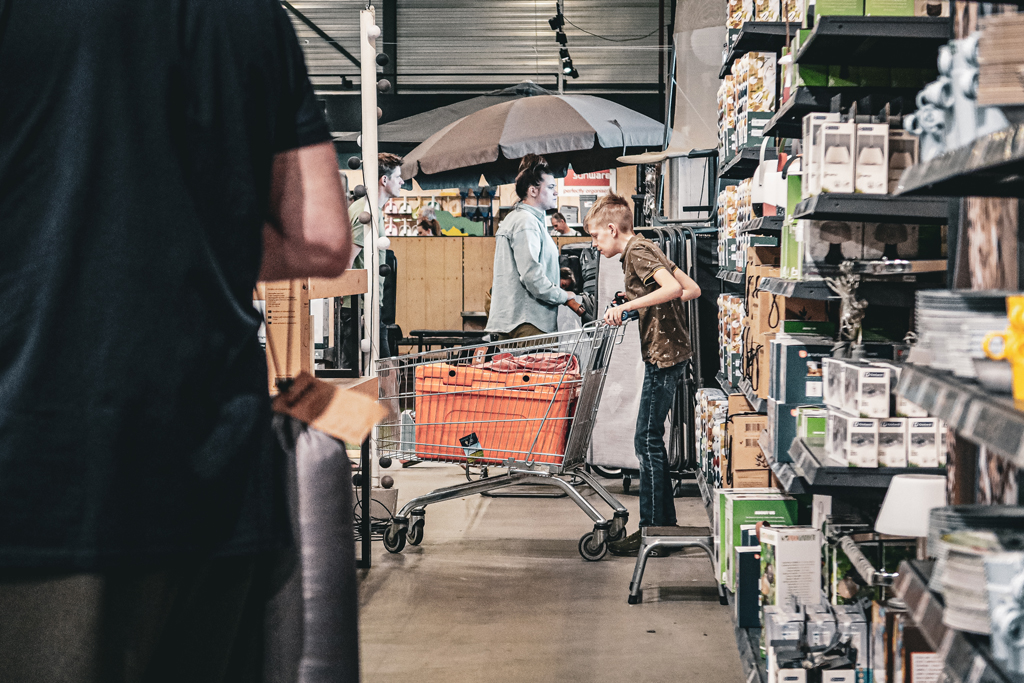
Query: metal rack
[[910, 42], [734, 276], [873, 207], [992, 421], [757, 36], [819, 473], [991, 166], [742, 165], [760, 405], [765, 224], [788, 120]]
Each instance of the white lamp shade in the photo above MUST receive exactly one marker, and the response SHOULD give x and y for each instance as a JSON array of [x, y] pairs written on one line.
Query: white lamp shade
[[908, 502]]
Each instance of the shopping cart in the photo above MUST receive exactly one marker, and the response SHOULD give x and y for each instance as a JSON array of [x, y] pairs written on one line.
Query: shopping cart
[[527, 405]]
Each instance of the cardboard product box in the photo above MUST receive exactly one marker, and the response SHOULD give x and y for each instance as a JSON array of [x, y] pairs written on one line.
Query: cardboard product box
[[790, 565], [761, 255], [923, 442], [835, 7], [738, 404], [903, 152], [744, 432], [883, 620], [751, 479], [747, 604], [832, 370], [811, 424], [843, 76], [915, 660], [866, 390], [889, 8], [851, 623], [799, 368], [750, 508], [892, 442], [762, 367], [861, 446], [931, 8], [891, 241], [811, 163], [872, 164], [825, 245], [837, 156]]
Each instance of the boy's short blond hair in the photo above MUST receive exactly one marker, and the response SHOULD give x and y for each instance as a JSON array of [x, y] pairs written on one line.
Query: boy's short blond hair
[[611, 208]]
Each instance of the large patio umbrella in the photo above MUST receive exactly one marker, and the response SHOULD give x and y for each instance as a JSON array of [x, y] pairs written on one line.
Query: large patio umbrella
[[588, 132]]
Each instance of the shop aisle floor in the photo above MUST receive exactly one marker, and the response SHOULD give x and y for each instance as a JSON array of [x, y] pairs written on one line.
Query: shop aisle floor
[[498, 592]]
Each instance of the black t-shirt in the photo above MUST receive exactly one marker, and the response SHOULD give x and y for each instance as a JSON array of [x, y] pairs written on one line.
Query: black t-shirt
[[136, 142]]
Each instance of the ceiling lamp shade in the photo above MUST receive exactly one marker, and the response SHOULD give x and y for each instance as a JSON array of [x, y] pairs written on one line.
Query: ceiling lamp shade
[[908, 502]]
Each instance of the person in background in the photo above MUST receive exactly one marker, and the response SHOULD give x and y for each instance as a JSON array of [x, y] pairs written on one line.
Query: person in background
[[389, 186], [157, 157], [525, 295], [656, 289], [428, 228], [559, 228]]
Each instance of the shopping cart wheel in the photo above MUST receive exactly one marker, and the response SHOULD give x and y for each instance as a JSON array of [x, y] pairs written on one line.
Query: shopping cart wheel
[[618, 536], [588, 549], [394, 539], [416, 532]]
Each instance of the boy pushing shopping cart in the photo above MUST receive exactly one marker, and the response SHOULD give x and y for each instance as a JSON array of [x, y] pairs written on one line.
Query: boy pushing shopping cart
[[655, 291]]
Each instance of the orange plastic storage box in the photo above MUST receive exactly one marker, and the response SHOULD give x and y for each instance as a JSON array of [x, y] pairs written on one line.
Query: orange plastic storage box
[[504, 409]]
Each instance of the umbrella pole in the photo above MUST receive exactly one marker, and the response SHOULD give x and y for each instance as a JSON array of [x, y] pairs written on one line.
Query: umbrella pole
[[368, 32]]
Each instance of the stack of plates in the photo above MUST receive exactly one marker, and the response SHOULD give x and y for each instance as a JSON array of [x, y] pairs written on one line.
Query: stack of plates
[[960, 537], [952, 324]]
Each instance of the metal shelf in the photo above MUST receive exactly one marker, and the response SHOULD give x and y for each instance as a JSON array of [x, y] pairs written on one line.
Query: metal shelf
[[976, 414], [876, 289], [991, 166], [966, 658], [908, 42], [799, 289], [880, 208], [734, 276], [760, 405], [744, 163], [820, 472], [726, 387], [757, 36], [765, 224], [788, 475], [748, 642], [788, 120]]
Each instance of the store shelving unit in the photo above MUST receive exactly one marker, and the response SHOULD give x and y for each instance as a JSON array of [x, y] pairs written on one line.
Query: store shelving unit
[[757, 36], [790, 477], [724, 384], [734, 276], [966, 657], [743, 164], [991, 166], [877, 282], [760, 405], [910, 42], [820, 473], [788, 120], [768, 225], [874, 208], [990, 420]]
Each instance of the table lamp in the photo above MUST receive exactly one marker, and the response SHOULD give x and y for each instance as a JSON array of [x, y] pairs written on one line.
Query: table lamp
[[907, 504]]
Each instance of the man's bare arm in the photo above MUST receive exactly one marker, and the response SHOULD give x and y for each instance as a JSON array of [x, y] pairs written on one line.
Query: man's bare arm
[[308, 234]]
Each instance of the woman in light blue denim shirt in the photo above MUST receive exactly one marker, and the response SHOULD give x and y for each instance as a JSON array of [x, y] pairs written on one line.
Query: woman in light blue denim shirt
[[525, 295]]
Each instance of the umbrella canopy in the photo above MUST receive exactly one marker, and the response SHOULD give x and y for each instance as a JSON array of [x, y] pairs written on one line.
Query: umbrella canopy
[[412, 130], [588, 132]]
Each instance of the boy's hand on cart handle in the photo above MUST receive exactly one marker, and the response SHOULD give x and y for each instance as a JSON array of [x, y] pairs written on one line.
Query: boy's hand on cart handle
[[613, 316]]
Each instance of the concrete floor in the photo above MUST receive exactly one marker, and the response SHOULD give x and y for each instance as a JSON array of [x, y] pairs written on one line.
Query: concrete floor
[[498, 592]]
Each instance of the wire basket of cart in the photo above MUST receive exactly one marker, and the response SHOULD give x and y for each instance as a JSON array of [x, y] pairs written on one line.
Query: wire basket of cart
[[527, 405]]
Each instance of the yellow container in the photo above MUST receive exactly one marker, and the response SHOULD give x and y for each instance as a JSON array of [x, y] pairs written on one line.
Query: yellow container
[[1009, 344]]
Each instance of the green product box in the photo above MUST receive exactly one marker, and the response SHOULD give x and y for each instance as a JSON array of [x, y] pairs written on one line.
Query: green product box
[[816, 327], [810, 75], [888, 8], [799, 372], [756, 121], [911, 78], [843, 76], [875, 76], [761, 241], [790, 256], [811, 423], [740, 507], [838, 7]]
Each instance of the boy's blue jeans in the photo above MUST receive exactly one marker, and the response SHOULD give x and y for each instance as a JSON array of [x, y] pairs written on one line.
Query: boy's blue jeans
[[657, 507]]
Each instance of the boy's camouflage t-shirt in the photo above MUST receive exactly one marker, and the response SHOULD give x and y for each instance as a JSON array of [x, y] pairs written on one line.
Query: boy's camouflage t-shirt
[[664, 340]]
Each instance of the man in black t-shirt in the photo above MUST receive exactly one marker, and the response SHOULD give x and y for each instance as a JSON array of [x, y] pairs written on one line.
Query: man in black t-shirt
[[156, 156]]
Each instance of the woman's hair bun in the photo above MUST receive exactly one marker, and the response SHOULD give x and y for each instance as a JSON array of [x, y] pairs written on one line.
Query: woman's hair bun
[[531, 168]]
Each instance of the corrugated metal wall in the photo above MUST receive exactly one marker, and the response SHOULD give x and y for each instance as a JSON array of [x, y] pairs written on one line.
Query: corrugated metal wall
[[447, 43]]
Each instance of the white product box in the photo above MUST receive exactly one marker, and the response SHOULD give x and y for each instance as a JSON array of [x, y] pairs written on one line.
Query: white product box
[[871, 391], [851, 623], [811, 179], [839, 676], [790, 565], [792, 676], [923, 442], [821, 625], [891, 241], [826, 244], [837, 157], [780, 624], [835, 436], [832, 377], [903, 146], [892, 442], [904, 408], [861, 445], [872, 165], [943, 446]]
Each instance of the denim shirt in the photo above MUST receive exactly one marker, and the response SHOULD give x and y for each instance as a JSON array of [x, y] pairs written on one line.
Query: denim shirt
[[526, 274]]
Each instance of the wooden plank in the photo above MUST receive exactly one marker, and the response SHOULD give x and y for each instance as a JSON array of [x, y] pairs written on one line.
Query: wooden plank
[[478, 271], [350, 282], [288, 330], [562, 241], [429, 292]]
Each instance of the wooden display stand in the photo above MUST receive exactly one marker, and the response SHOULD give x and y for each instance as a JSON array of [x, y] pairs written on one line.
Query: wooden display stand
[[289, 324]]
